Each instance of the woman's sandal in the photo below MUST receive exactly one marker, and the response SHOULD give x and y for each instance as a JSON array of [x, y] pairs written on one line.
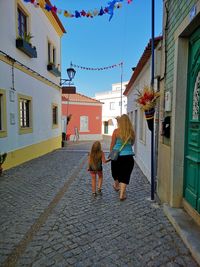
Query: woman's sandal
[[122, 198], [115, 188]]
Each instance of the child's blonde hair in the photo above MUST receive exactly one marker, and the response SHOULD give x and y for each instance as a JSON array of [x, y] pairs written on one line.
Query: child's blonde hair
[[95, 155]]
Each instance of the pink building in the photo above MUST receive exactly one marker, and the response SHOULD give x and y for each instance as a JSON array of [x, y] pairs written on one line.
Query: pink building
[[86, 119]]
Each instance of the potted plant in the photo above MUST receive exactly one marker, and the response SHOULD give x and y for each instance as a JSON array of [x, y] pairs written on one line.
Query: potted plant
[[147, 100], [24, 44], [28, 37], [2, 159]]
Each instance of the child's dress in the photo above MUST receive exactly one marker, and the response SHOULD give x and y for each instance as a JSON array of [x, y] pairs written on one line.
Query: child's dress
[[97, 168]]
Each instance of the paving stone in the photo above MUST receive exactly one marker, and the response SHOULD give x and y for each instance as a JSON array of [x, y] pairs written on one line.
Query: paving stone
[[63, 225]]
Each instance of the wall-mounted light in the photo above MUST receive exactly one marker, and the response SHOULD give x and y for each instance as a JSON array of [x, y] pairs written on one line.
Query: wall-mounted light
[[71, 73]]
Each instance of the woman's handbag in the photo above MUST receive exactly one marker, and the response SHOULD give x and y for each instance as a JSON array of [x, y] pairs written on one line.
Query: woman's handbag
[[114, 154]]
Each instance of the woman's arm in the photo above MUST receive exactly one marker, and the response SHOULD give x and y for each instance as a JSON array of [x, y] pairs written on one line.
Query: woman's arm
[[113, 140]]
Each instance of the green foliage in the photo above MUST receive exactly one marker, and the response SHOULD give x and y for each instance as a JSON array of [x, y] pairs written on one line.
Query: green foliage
[[27, 37]]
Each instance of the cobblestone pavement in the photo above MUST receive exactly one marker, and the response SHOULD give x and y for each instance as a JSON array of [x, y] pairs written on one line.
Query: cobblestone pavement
[[49, 218]]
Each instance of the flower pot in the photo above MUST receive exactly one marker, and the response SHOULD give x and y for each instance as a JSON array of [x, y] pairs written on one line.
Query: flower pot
[[149, 115], [26, 47], [55, 71]]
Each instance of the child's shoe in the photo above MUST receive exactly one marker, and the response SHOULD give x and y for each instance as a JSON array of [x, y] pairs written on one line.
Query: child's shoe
[[99, 192], [94, 194]]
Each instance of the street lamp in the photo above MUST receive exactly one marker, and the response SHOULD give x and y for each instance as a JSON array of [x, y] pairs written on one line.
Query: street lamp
[[71, 73]]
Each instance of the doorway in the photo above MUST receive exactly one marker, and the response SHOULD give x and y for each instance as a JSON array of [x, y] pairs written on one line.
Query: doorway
[[192, 140]]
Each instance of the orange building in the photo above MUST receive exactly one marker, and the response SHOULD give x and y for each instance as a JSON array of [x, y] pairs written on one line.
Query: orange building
[[86, 119]]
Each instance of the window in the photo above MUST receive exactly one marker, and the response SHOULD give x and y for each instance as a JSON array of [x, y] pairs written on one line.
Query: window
[[3, 122], [84, 123], [24, 103], [120, 103], [142, 126], [51, 53], [22, 22], [54, 55], [112, 105], [55, 115], [24, 113]]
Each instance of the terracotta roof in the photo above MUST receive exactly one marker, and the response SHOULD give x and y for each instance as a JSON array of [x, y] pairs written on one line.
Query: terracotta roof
[[56, 18], [141, 63], [79, 98]]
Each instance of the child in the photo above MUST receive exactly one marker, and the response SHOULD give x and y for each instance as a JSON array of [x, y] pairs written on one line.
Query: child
[[95, 159]]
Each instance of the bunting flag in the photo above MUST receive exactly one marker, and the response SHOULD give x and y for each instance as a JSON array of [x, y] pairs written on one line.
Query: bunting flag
[[109, 9], [102, 68]]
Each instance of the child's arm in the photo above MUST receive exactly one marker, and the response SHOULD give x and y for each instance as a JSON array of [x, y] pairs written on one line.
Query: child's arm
[[104, 160]]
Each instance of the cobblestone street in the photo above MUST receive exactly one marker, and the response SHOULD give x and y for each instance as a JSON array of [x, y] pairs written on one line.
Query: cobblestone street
[[49, 218]]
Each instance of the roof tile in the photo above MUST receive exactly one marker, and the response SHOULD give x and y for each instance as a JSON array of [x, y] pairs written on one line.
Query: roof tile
[[79, 98]]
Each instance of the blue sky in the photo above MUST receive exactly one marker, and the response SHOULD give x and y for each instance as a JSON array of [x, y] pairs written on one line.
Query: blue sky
[[96, 42]]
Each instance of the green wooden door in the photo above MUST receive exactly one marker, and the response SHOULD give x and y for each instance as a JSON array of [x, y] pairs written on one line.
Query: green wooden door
[[192, 144]]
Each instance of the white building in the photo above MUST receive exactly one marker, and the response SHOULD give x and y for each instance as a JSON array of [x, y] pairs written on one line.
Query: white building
[[30, 95], [142, 77], [115, 104]]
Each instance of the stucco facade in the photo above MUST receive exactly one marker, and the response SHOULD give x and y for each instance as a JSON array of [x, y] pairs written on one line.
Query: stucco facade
[[112, 106], [86, 117], [141, 77], [27, 88], [181, 21]]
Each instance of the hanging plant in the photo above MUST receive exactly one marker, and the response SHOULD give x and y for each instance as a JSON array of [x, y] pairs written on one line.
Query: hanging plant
[[147, 100]]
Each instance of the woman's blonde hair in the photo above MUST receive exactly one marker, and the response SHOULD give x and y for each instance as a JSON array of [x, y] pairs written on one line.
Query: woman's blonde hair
[[95, 154], [126, 128]]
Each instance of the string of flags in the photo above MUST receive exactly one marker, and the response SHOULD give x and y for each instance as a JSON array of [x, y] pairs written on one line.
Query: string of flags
[[109, 9], [102, 68]]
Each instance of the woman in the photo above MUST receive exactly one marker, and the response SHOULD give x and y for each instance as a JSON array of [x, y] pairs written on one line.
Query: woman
[[123, 166]]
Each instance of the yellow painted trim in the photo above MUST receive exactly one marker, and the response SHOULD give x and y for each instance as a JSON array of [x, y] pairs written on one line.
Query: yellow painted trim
[[28, 14], [28, 72], [22, 155], [52, 106], [53, 22], [3, 133], [27, 129]]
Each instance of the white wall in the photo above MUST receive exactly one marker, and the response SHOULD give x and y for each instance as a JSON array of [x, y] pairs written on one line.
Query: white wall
[[42, 98], [112, 96], [43, 95], [40, 28], [142, 148]]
